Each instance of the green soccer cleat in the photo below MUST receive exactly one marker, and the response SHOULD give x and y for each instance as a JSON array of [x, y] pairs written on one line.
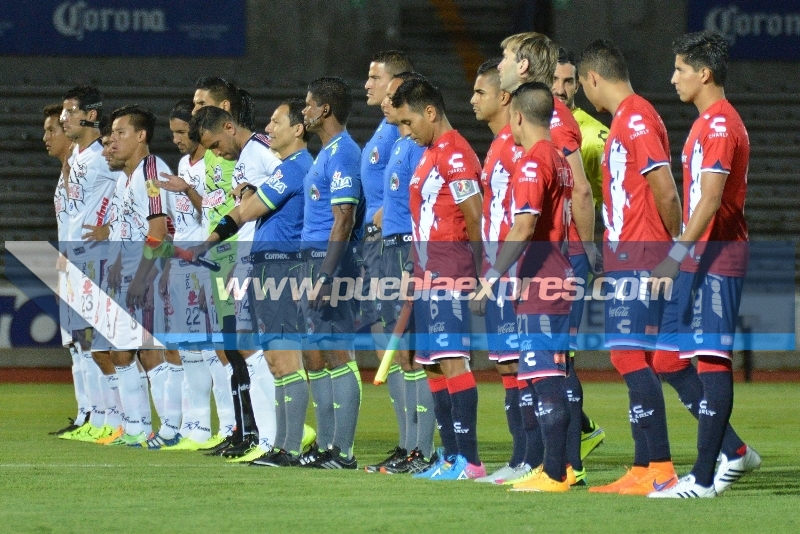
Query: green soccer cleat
[[309, 436], [131, 441], [77, 433], [253, 453], [103, 432], [591, 440], [185, 444], [213, 442]]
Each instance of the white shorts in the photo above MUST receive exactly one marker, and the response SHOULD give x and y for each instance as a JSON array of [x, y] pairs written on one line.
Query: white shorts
[[186, 323], [212, 320], [84, 282]]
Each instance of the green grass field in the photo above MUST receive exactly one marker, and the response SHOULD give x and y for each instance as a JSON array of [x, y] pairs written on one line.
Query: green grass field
[[52, 485]]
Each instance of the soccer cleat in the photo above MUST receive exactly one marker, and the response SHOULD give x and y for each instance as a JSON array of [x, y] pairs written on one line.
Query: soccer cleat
[[309, 436], [417, 463], [460, 469], [130, 440], [242, 448], [89, 433], [521, 473], [591, 440], [184, 444], [277, 458], [103, 432], [213, 442], [394, 455], [541, 482], [575, 477], [221, 447], [155, 442], [116, 433], [501, 474], [656, 478], [334, 459], [686, 488], [729, 471], [77, 433], [630, 478], [253, 453], [69, 428], [310, 457], [401, 465]]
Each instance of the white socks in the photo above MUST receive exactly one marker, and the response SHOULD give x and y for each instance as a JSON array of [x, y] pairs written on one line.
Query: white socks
[[221, 381], [196, 404], [262, 396]]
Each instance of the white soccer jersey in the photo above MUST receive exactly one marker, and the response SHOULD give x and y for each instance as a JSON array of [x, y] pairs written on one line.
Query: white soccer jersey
[[140, 202], [62, 218], [187, 220], [255, 164], [90, 188], [115, 218]]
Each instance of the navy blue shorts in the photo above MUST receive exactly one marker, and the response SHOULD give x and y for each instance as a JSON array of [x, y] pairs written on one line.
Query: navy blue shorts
[[543, 345], [441, 319], [632, 317], [701, 316], [501, 326]]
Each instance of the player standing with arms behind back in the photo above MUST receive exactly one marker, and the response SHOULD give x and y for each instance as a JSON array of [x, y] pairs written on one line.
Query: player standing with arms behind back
[[709, 260]]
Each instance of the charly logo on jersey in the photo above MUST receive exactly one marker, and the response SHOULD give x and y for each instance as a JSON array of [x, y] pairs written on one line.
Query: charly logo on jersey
[[340, 182], [637, 126], [76, 19], [555, 120], [275, 182], [456, 163], [374, 156], [314, 192], [529, 172], [394, 182]]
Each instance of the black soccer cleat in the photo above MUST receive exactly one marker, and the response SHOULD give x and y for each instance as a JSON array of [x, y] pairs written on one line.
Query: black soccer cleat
[[277, 458], [240, 449], [395, 455], [222, 447], [417, 463], [69, 428], [333, 459]]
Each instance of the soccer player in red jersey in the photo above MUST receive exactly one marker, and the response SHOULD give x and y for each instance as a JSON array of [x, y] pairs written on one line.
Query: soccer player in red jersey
[[540, 206], [709, 260], [531, 57], [445, 205], [641, 210]]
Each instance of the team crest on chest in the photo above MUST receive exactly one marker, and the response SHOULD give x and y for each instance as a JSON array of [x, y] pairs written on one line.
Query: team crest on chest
[[374, 156], [314, 192], [394, 182]]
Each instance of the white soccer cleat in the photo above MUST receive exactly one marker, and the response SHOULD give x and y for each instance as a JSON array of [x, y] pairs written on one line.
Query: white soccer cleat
[[686, 488], [729, 471], [501, 474]]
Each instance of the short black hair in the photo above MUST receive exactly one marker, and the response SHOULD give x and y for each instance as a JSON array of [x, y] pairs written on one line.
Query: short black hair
[[603, 57], [535, 101], [418, 93], [51, 110], [140, 118], [409, 75], [182, 110], [334, 92], [105, 127], [241, 102], [88, 97], [394, 61], [295, 106], [209, 118], [704, 49], [566, 57], [490, 65]]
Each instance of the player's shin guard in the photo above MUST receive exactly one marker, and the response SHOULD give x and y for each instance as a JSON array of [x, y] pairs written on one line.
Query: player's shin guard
[[683, 378], [94, 392], [553, 413], [322, 390], [346, 385], [295, 406], [575, 397], [464, 401], [715, 411], [110, 384], [173, 397], [647, 400], [79, 384], [514, 420], [130, 390], [221, 386], [262, 393], [425, 414], [534, 446], [196, 408], [410, 411], [397, 394], [444, 415]]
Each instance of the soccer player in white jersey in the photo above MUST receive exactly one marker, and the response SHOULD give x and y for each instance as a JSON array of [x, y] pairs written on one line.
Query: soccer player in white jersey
[[180, 286], [58, 146], [90, 187], [132, 274], [218, 132]]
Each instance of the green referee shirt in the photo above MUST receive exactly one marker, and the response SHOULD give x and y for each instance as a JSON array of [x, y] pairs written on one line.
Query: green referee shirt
[[594, 135]]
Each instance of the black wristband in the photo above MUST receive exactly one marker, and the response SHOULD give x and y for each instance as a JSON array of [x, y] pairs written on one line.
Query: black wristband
[[248, 187], [226, 228]]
